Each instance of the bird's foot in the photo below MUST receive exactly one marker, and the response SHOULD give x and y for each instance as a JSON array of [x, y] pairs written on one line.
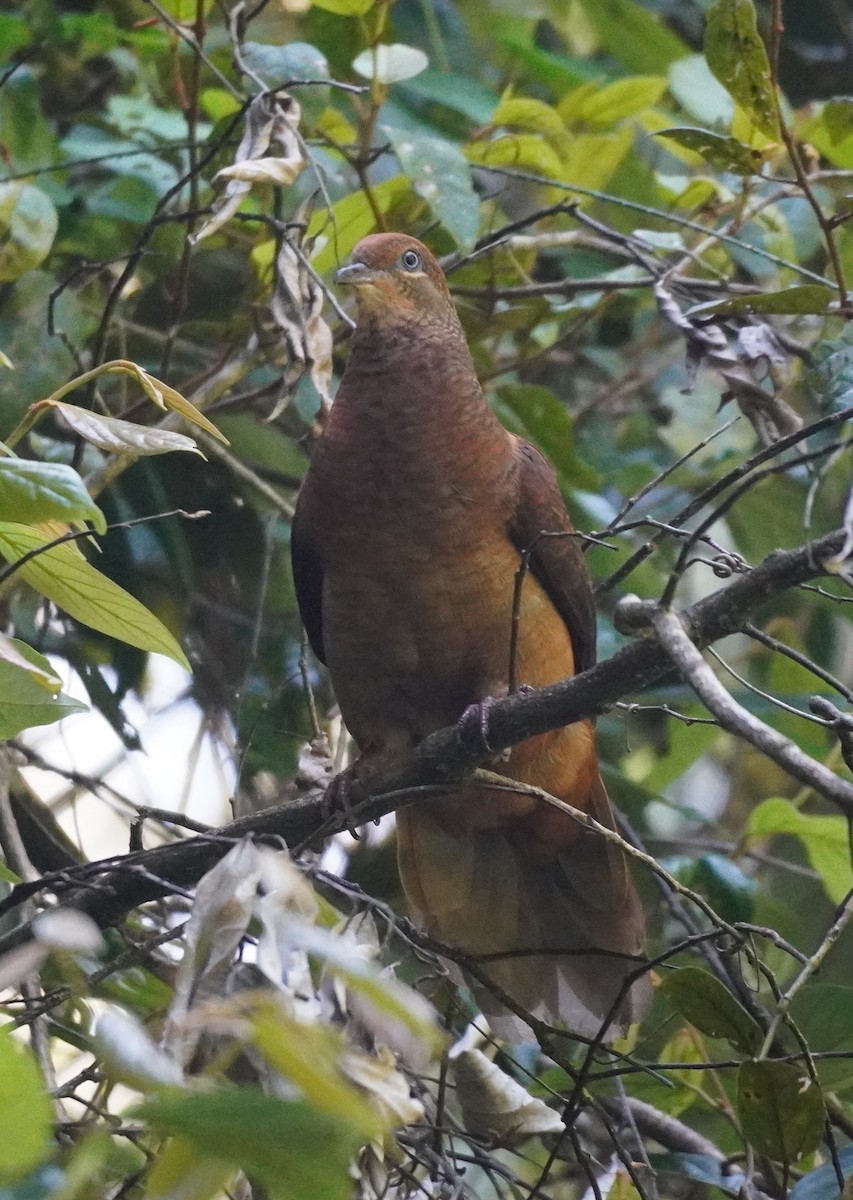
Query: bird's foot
[[343, 796], [473, 726]]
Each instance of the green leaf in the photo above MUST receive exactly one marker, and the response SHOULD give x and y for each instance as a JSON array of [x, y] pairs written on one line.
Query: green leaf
[[441, 175], [804, 298], [64, 576], [533, 116], [522, 151], [640, 41], [182, 1170], [825, 840], [350, 220], [737, 57], [390, 64], [537, 414], [187, 11], [25, 1111], [621, 99], [121, 437], [296, 1151], [780, 1109], [28, 224], [29, 691], [167, 398], [724, 153], [831, 132], [463, 94], [18, 654], [32, 492], [704, 1001], [345, 8], [594, 157], [823, 1012]]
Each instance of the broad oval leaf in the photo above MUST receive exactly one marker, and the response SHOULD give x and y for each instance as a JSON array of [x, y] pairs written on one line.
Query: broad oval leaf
[[122, 437], [62, 575], [390, 64], [28, 224], [781, 1111], [737, 57], [703, 1001], [25, 1110], [441, 175], [32, 492]]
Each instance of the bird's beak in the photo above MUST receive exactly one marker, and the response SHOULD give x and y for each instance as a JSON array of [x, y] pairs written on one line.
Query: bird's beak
[[354, 274]]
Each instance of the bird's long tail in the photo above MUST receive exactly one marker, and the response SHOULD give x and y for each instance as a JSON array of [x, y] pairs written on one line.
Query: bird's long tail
[[558, 932]]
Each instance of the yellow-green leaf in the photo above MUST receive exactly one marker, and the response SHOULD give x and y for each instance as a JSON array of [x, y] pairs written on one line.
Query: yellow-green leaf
[[25, 1111], [62, 575], [533, 116], [825, 840], [167, 398], [350, 220]]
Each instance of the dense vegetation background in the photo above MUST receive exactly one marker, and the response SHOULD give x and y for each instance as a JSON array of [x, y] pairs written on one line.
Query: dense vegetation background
[[644, 212]]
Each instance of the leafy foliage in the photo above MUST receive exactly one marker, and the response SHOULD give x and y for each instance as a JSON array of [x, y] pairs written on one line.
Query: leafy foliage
[[643, 211]]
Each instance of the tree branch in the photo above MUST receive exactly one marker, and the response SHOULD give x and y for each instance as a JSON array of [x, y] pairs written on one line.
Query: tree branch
[[108, 889]]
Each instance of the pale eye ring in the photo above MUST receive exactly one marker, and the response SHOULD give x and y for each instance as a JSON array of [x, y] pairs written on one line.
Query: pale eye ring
[[411, 260]]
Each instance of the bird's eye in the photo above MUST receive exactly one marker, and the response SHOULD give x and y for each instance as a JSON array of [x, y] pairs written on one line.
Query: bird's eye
[[411, 260]]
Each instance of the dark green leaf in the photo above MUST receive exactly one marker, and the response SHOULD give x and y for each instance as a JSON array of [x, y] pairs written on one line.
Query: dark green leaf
[[823, 1013], [804, 298], [737, 57], [703, 1001], [536, 413], [780, 1109], [724, 153]]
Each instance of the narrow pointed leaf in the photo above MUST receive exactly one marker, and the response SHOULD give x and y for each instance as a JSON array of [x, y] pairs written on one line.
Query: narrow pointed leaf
[[122, 437], [62, 575]]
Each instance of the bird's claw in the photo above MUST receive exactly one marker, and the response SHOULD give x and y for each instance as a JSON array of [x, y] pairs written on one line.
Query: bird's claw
[[343, 795], [473, 725]]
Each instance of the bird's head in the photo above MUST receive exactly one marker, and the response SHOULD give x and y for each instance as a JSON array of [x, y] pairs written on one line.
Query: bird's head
[[398, 280]]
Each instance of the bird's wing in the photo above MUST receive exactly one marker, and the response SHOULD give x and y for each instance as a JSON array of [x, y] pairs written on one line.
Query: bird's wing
[[307, 576], [556, 561]]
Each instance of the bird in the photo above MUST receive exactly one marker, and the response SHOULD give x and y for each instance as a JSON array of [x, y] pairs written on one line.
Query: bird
[[409, 530]]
